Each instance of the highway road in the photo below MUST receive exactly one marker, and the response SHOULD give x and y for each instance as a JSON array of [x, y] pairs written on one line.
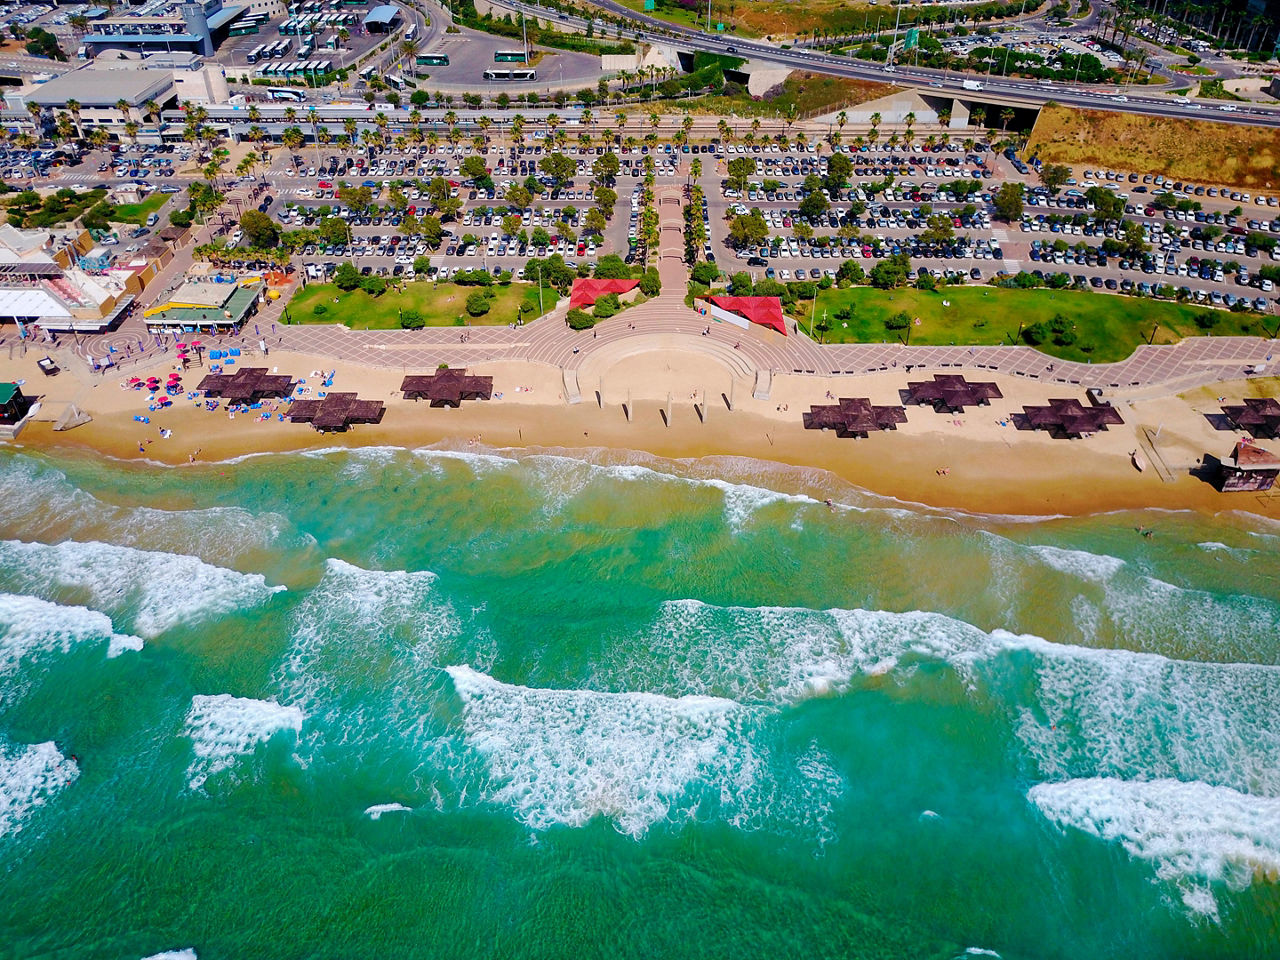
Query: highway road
[[935, 82]]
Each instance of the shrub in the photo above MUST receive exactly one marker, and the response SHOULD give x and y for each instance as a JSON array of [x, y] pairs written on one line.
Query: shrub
[[1207, 320], [412, 319], [650, 284], [1036, 334], [319, 309], [579, 319], [607, 306], [478, 303], [899, 321]]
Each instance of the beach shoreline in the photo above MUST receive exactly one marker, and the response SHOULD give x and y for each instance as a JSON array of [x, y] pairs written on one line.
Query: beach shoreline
[[680, 412]]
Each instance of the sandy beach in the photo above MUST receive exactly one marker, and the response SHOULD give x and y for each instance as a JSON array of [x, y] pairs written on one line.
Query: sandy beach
[[976, 461]]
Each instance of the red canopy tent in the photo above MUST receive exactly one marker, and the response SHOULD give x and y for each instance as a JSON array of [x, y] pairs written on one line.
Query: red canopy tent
[[587, 292], [766, 311]]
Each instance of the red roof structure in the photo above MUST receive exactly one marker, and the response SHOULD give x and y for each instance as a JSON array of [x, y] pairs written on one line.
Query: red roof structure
[[766, 311], [587, 292]]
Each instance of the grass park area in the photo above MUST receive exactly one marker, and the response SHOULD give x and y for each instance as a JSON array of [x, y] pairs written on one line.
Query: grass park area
[[137, 213], [439, 304], [806, 93], [1107, 328], [1226, 154]]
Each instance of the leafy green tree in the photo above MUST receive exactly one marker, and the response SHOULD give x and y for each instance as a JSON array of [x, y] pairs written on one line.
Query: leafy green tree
[[473, 168], [1008, 202], [421, 264], [852, 271], [478, 303], [705, 273], [748, 230], [612, 267], [558, 167], [740, 284], [411, 319], [1055, 176], [839, 170], [579, 319], [346, 277], [891, 272], [740, 170], [373, 285], [259, 229]]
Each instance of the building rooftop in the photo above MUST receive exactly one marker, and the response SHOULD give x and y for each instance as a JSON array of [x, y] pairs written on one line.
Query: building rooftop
[[102, 88], [31, 302], [154, 39], [383, 13], [224, 16]]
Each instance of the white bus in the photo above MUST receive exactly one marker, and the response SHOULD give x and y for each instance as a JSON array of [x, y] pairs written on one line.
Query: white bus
[[256, 53], [411, 34], [283, 93], [519, 74]]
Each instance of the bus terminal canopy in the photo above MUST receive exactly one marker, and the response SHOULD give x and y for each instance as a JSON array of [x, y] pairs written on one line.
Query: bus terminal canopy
[[382, 16], [766, 311]]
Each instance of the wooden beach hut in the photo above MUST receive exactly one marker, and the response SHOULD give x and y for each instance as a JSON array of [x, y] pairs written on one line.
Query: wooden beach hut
[[447, 387], [336, 412], [247, 385], [854, 417], [950, 393]]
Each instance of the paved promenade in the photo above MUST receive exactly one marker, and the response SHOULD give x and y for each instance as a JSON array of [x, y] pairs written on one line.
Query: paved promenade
[[666, 323]]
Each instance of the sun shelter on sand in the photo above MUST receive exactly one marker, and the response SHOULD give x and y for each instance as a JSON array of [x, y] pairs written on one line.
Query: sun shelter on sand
[[247, 385], [1257, 415], [765, 311], [447, 387], [1068, 419], [854, 417], [336, 412], [586, 292], [950, 393]]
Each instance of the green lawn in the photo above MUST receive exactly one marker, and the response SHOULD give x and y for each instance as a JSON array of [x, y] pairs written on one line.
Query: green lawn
[[137, 213], [1107, 327], [440, 305]]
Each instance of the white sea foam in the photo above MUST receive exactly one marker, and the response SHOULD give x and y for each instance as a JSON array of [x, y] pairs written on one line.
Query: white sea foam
[[29, 777], [30, 627], [1193, 833], [187, 954], [378, 809], [156, 590], [368, 621], [222, 728], [566, 756], [1079, 711], [1097, 567]]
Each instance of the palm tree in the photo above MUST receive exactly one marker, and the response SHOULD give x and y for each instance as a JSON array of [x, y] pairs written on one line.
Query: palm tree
[[1006, 114], [841, 119], [484, 123], [123, 106], [655, 118], [152, 110], [978, 115], [131, 130], [253, 113], [349, 127], [73, 107]]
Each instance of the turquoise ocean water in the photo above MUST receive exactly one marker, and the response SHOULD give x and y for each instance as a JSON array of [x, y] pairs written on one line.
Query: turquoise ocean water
[[389, 703]]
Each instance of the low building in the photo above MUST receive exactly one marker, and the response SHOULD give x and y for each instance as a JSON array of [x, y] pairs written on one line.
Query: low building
[[211, 303], [1250, 468], [15, 409], [100, 93], [43, 283], [196, 28]]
